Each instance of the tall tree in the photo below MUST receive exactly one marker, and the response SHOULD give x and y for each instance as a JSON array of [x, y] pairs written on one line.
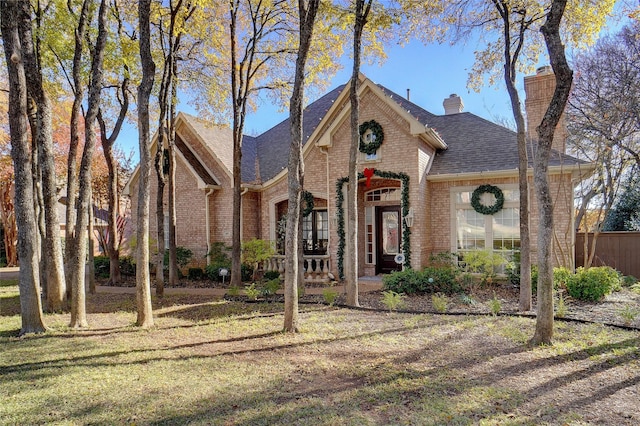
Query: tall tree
[[12, 15], [515, 23], [564, 77], [108, 142], [43, 138], [79, 247], [307, 10], [258, 34], [77, 84], [143, 285], [362, 9]]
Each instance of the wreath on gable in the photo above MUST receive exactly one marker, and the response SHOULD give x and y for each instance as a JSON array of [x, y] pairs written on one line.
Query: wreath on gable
[[307, 200], [376, 129], [487, 189]]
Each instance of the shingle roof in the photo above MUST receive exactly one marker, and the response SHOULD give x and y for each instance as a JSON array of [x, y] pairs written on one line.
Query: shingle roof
[[273, 145], [474, 144]]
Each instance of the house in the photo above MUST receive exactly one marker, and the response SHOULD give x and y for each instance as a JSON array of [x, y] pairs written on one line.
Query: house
[[418, 175]]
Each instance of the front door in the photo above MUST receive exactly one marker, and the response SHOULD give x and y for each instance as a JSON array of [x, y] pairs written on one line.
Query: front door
[[388, 230]]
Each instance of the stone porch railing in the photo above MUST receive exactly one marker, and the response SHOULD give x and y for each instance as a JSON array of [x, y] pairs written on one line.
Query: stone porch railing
[[316, 267]]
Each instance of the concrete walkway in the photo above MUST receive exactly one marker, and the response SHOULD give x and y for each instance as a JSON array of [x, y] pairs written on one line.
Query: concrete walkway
[[365, 285]]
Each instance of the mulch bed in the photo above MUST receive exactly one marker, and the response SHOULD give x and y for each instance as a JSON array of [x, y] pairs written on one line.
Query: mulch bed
[[619, 308]]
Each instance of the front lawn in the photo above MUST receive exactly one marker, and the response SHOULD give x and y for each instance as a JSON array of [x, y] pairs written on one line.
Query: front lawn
[[227, 363]]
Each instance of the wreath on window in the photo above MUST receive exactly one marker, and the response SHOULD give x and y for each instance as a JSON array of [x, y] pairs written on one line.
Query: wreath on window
[[487, 189], [376, 129], [307, 200]]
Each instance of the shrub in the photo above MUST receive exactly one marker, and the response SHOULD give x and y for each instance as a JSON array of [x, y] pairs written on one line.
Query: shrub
[[484, 262], [441, 280], [212, 271], [271, 275], [183, 257], [271, 287], [408, 281], [429, 280], [512, 270], [392, 300], [439, 302], [629, 280], [329, 296], [593, 284], [252, 291], [444, 259], [101, 266], [219, 253], [127, 266], [195, 273], [256, 251], [561, 276]]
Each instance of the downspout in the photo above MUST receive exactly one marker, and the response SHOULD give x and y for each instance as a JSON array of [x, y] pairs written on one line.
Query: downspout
[[242, 193], [325, 151], [208, 222]]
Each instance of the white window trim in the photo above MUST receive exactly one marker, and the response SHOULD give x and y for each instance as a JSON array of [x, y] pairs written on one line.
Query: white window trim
[[453, 219]]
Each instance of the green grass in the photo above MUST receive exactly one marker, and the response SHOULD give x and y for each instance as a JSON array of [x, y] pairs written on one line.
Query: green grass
[[217, 362]]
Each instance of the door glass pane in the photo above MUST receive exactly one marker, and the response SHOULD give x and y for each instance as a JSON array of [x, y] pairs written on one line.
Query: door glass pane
[[390, 233]]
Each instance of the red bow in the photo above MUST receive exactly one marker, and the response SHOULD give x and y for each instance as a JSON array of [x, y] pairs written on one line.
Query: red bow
[[368, 173]]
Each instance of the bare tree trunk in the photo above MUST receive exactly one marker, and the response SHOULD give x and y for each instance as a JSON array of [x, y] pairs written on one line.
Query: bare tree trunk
[[113, 243], [361, 13], [160, 246], [564, 77], [293, 240], [91, 270], [74, 142], [11, 14], [512, 49], [173, 258], [143, 285], [78, 262], [43, 138]]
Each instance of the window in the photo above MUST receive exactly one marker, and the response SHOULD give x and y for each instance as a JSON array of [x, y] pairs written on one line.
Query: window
[[368, 138], [475, 231], [315, 232]]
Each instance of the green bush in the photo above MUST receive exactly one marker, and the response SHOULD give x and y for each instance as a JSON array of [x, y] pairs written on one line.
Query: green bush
[[629, 280], [183, 257], [409, 281], [254, 252], [195, 273], [429, 280], [271, 275], [101, 266], [212, 271], [484, 262], [441, 280], [219, 253], [593, 284], [561, 277], [127, 266]]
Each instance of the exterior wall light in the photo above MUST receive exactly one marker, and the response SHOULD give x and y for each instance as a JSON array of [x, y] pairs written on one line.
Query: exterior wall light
[[408, 219]]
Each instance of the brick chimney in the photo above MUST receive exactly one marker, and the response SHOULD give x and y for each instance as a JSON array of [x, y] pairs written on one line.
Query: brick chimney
[[453, 104], [539, 90]]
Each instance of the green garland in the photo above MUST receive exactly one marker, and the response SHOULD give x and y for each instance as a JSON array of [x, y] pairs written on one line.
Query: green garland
[[406, 231], [307, 199], [489, 189], [371, 147]]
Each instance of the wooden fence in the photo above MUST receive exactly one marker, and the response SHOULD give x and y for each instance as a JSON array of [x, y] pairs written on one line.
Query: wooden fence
[[620, 250]]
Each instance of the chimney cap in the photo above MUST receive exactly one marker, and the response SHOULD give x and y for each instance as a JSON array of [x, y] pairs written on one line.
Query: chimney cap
[[453, 104], [546, 69]]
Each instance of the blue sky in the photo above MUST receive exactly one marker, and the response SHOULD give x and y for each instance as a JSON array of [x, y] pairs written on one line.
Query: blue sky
[[431, 72]]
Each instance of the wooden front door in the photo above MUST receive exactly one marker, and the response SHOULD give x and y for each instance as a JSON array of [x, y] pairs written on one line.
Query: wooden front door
[[388, 230]]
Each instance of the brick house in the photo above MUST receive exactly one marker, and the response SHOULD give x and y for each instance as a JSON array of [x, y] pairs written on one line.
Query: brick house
[[414, 194]]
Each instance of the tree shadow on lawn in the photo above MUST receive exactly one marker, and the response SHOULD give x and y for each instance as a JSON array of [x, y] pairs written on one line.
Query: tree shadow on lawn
[[385, 392]]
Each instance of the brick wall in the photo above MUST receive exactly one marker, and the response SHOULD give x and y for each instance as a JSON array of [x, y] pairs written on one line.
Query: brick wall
[[539, 90]]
